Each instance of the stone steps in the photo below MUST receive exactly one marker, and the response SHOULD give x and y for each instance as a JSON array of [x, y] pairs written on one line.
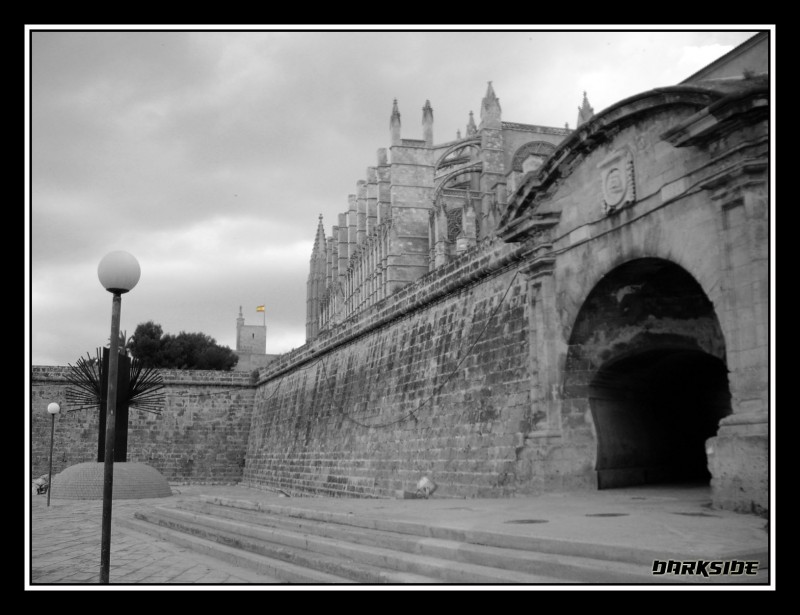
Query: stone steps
[[273, 571], [338, 561], [302, 545], [547, 567], [313, 558]]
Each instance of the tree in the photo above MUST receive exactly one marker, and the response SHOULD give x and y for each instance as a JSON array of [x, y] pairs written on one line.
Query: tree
[[125, 343], [146, 344], [182, 351]]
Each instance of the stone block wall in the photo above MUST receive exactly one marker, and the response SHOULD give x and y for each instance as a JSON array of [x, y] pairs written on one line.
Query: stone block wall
[[441, 388], [200, 437], [75, 433]]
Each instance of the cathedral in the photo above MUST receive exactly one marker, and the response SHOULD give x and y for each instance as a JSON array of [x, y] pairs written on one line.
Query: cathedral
[[530, 308], [418, 211]]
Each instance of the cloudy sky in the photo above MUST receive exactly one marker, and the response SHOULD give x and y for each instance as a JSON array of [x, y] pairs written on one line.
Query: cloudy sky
[[209, 155]]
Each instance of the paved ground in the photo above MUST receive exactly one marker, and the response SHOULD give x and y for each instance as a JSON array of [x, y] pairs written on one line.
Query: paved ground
[[63, 540], [65, 549]]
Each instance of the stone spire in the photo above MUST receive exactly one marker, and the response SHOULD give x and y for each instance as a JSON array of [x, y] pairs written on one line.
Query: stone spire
[[585, 111], [315, 288], [319, 240], [394, 124], [471, 127], [427, 123], [490, 109]]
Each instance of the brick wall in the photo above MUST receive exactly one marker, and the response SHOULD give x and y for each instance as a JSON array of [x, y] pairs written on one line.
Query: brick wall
[[200, 437]]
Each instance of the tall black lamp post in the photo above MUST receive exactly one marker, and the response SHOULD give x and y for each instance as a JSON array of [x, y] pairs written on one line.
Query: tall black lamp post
[[52, 410], [118, 272]]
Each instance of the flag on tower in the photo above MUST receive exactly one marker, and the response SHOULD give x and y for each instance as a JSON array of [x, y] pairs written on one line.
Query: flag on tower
[[259, 308]]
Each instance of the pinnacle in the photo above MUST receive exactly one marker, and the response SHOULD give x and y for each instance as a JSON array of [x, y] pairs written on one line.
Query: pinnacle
[[490, 109], [471, 128], [427, 112], [585, 111], [319, 240]]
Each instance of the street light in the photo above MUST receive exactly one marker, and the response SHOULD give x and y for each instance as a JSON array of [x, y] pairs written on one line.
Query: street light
[[52, 409], [118, 272]]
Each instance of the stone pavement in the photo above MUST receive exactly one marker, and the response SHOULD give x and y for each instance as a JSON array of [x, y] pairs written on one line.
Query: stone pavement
[[63, 540]]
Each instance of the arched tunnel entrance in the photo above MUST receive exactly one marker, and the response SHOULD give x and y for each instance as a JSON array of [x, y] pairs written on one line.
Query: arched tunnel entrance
[[653, 413], [646, 361]]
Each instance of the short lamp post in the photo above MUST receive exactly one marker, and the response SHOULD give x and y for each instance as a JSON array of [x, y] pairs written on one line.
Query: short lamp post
[[118, 272], [52, 410]]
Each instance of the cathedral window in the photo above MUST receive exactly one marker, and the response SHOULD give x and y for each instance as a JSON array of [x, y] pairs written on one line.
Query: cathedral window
[[454, 224]]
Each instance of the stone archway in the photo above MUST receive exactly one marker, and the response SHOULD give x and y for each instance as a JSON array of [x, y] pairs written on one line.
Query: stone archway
[[646, 361], [653, 413]]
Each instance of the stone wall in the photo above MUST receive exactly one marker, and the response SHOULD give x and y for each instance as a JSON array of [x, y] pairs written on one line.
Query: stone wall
[[200, 437], [435, 382]]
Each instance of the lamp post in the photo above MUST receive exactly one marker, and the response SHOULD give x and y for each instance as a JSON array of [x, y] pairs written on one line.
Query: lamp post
[[118, 273], [52, 409]]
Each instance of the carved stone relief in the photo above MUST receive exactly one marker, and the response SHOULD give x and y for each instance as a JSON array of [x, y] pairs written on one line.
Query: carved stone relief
[[617, 180]]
